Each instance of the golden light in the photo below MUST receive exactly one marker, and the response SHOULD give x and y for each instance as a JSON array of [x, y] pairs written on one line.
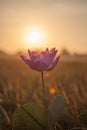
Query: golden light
[[34, 37], [52, 90]]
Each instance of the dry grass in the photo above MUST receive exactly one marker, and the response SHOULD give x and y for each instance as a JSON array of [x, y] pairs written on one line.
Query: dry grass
[[20, 84]]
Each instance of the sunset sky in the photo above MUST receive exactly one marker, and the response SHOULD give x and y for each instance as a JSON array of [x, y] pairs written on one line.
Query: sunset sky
[[61, 23]]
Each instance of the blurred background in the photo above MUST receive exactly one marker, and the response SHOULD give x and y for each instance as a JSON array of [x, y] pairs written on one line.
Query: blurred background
[[36, 25], [60, 23]]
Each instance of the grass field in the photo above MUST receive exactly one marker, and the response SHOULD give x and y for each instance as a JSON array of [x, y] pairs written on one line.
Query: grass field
[[19, 84]]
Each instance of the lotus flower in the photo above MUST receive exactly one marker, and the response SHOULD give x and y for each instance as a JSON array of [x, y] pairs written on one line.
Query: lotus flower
[[44, 60]]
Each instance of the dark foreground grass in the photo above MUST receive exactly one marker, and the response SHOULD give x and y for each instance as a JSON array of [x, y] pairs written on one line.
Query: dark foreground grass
[[19, 84]]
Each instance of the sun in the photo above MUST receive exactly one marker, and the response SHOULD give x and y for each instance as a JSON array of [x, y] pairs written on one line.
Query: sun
[[34, 37]]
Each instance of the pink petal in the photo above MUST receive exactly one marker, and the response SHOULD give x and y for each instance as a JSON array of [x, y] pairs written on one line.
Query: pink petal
[[52, 50], [34, 56], [42, 54], [53, 53], [24, 58], [29, 52], [39, 66], [41, 61], [49, 58], [46, 51], [32, 53], [53, 64]]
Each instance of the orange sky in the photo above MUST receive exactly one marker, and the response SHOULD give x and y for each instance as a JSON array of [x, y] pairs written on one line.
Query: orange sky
[[63, 22]]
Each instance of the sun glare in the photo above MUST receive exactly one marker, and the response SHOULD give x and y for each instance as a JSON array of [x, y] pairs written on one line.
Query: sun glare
[[34, 37]]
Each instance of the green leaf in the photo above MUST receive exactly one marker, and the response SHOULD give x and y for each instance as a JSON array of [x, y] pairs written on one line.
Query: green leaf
[[83, 118], [56, 107], [29, 116]]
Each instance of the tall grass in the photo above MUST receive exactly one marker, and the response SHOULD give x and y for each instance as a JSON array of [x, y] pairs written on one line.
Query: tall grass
[[19, 84]]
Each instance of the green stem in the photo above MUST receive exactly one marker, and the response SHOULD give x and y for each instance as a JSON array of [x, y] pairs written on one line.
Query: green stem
[[44, 92], [44, 100]]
